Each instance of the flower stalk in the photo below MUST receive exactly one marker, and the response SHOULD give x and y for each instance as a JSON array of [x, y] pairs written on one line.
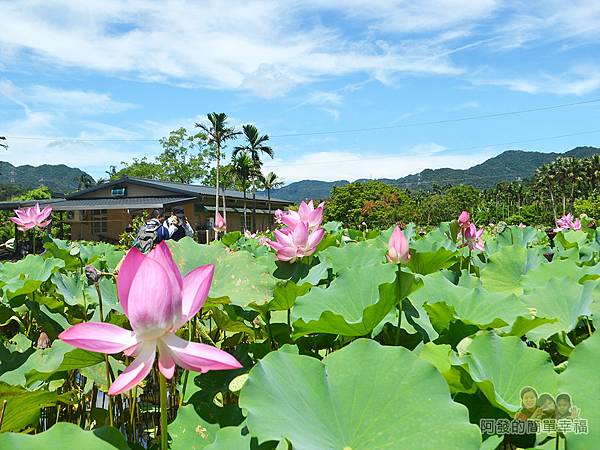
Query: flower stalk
[[164, 435]]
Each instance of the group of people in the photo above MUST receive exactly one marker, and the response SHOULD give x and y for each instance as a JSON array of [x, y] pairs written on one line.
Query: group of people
[[545, 407], [159, 228]]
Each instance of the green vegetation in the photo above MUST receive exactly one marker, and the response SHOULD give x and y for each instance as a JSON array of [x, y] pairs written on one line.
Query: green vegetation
[[561, 186], [328, 342]]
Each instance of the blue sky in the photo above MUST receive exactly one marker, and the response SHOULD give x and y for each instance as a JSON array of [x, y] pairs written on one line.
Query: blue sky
[[124, 74]]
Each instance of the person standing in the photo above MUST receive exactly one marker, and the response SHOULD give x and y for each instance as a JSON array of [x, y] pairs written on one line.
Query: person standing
[[180, 225], [152, 232]]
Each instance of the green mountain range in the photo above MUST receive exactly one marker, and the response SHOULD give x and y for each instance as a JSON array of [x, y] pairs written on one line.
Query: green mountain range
[[59, 178], [510, 165]]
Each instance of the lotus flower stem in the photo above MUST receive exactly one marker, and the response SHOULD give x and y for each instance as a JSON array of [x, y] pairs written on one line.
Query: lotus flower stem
[[2, 413], [97, 286], [110, 402], [111, 419], [587, 321], [398, 294], [187, 372], [164, 436]]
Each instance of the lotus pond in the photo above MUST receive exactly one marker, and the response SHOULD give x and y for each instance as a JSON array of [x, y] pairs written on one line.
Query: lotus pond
[[340, 350]]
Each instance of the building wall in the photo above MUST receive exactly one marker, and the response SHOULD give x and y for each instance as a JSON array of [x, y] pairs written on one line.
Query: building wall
[[117, 220]]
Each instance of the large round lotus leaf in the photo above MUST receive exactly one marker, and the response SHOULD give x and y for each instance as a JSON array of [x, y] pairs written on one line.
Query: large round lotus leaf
[[562, 299], [506, 268], [27, 275], [68, 436], [239, 276], [189, 431], [502, 366], [514, 235], [581, 381], [353, 255], [353, 304], [473, 305], [23, 406], [363, 397], [230, 438]]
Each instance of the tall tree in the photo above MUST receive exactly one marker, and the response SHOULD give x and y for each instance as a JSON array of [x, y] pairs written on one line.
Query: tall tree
[[242, 168], [184, 157], [217, 134], [255, 147], [183, 160], [271, 181]]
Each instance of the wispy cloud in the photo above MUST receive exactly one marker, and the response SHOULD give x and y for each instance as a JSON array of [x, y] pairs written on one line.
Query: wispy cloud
[[579, 80], [264, 47], [71, 101]]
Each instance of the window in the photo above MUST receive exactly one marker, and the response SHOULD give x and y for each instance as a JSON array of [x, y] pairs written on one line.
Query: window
[[99, 221], [118, 192]]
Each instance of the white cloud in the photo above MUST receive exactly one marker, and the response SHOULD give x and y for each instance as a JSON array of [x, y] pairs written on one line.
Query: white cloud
[[71, 101], [579, 80], [265, 47], [348, 165]]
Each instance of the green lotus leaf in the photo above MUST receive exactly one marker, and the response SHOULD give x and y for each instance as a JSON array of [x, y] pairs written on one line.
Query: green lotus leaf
[[506, 268], [474, 304], [27, 275], [242, 278], [189, 431], [66, 435], [580, 381], [561, 299], [353, 304], [364, 396], [502, 366]]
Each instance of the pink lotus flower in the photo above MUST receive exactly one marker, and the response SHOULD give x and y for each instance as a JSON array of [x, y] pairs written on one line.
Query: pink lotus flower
[[306, 213], [220, 225], [398, 249], [463, 219], [297, 242], [473, 238], [249, 235], [567, 223], [32, 217], [157, 301]]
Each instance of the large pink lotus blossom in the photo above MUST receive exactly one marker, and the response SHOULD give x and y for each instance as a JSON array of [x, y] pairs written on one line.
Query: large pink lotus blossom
[[32, 217], [293, 243], [220, 224], [306, 213], [473, 238], [398, 249], [157, 301], [567, 223]]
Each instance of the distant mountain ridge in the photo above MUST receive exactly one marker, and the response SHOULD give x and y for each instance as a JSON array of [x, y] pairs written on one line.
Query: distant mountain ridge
[[59, 178], [511, 165]]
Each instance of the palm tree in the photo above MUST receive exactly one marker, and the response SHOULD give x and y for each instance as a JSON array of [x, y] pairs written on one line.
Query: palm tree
[[242, 167], [255, 146], [271, 181], [216, 135], [85, 181]]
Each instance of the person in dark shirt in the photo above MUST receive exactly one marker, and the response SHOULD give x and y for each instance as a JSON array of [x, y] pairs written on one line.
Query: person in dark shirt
[[178, 222]]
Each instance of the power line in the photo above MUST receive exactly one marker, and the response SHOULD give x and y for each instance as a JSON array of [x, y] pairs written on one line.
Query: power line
[[361, 159], [343, 131]]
